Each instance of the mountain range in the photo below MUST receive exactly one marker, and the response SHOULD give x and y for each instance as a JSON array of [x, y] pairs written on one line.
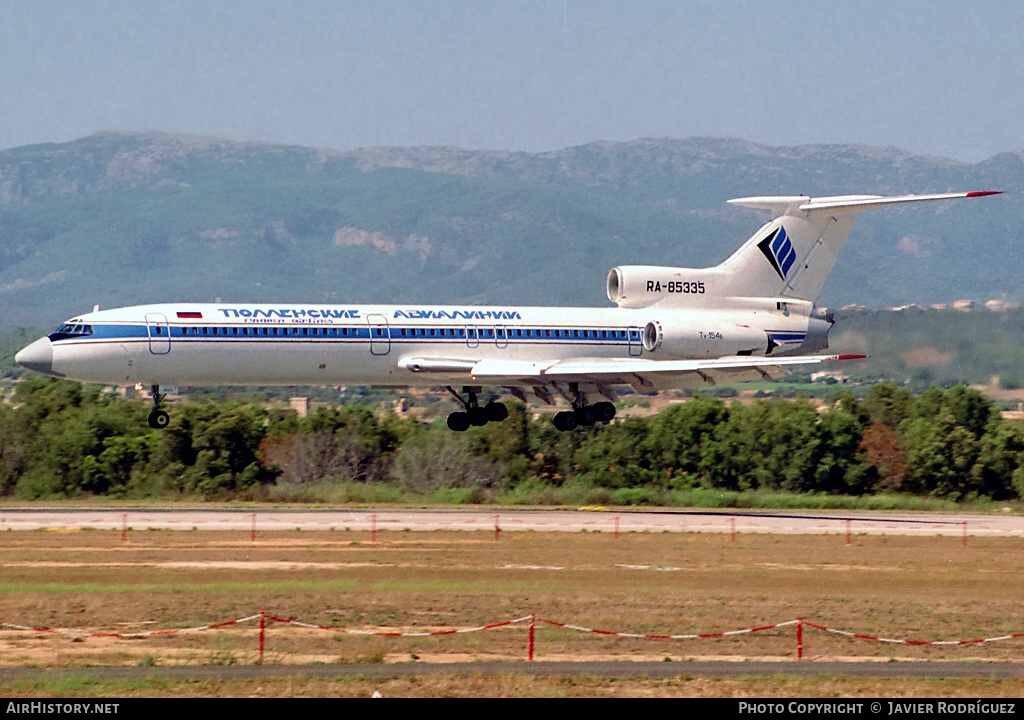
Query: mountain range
[[119, 218]]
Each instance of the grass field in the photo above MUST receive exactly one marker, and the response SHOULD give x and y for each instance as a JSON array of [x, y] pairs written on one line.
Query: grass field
[[897, 587]]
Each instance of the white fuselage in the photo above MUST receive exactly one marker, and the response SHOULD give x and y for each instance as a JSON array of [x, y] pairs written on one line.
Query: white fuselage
[[219, 344]]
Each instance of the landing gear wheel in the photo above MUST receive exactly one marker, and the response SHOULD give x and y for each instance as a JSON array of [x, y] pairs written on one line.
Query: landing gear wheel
[[458, 421], [605, 411], [495, 411], [158, 419], [477, 416], [585, 416], [565, 421]]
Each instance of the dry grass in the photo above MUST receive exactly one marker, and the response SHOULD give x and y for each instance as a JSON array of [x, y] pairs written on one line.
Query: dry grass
[[517, 686], [902, 587]]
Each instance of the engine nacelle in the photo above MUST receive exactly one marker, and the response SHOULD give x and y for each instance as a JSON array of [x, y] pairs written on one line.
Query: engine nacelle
[[711, 339], [640, 286]]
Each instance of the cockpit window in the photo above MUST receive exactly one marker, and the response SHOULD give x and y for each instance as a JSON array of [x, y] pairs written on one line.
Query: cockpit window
[[71, 330]]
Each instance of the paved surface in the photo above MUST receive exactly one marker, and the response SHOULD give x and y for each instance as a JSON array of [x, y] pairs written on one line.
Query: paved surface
[[940, 670], [512, 520], [591, 520]]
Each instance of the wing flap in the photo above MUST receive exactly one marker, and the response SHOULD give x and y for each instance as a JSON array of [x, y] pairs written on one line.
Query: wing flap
[[650, 375], [725, 364], [641, 374]]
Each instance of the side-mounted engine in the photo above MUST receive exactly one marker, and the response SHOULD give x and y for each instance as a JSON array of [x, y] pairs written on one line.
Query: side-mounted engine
[[722, 333]]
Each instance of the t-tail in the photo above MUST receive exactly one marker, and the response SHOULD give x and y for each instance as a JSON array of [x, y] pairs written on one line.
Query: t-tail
[[784, 264]]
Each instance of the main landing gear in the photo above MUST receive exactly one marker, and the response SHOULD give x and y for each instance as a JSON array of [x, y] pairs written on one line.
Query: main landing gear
[[158, 419], [474, 414], [584, 415]]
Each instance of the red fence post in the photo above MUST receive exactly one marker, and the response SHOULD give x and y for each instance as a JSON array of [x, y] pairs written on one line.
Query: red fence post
[[616, 527], [252, 535], [497, 529], [124, 527], [373, 528], [847, 531], [732, 522], [799, 638], [965, 533], [263, 626], [532, 617]]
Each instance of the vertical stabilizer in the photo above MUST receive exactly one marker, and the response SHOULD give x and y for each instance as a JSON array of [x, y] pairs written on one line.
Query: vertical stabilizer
[[793, 254]]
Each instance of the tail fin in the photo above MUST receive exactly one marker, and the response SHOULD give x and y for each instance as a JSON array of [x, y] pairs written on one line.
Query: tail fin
[[793, 254]]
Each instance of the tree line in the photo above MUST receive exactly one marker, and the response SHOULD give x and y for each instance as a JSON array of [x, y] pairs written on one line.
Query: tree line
[[65, 439]]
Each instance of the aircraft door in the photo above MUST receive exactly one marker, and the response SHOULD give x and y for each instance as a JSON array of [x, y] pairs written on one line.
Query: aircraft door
[[380, 334], [472, 337], [159, 333], [636, 346], [500, 336]]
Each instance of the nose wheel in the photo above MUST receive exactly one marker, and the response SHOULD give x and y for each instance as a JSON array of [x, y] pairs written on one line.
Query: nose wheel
[[158, 419]]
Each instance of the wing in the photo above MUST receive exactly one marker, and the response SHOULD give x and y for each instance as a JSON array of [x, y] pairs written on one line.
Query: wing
[[642, 375]]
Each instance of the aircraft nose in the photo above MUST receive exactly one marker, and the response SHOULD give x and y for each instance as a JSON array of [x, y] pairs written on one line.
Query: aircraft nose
[[38, 356]]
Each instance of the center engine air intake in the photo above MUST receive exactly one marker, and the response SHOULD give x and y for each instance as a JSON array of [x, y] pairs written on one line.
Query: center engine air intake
[[640, 286]]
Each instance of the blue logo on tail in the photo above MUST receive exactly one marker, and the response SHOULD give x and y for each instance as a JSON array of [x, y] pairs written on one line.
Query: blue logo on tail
[[779, 251]]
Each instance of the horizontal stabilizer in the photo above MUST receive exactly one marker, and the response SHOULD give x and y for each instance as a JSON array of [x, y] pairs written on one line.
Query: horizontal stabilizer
[[843, 204]]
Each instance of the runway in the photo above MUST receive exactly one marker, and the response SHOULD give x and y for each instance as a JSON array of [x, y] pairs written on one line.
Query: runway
[[487, 520], [610, 669], [519, 520]]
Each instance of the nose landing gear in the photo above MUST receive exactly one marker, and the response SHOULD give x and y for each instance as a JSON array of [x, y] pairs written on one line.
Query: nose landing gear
[[158, 419]]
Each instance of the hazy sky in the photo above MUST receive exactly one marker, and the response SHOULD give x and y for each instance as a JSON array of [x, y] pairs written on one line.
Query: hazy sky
[[939, 77]]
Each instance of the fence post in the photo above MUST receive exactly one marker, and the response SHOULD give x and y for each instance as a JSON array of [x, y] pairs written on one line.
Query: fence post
[[532, 618], [252, 535], [263, 627], [732, 522], [847, 531], [799, 639], [373, 528], [124, 527], [616, 527], [497, 529], [965, 533]]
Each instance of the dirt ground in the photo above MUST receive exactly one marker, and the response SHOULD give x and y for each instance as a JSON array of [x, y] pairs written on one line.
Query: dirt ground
[[91, 586]]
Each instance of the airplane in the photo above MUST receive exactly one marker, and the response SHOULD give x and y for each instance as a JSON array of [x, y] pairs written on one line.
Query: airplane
[[752, 317]]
